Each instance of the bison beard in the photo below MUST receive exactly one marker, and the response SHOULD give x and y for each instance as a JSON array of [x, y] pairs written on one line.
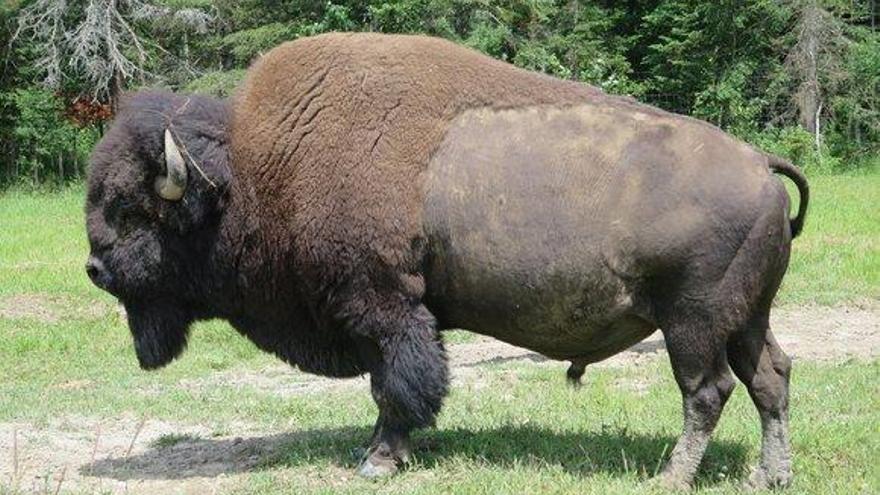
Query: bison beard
[[160, 332]]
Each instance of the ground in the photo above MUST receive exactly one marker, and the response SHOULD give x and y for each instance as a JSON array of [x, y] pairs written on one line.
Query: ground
[[138, 454], [78, 416]]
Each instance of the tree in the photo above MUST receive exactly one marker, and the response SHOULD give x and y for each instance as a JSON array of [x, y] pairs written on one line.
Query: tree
[[793, 76], [7, 81], [98, 42], [712, 59], [816, 62]]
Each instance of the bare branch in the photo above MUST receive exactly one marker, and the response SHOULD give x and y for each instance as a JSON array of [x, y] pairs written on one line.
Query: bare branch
[[98, 40], [193, 19], [43, 21]]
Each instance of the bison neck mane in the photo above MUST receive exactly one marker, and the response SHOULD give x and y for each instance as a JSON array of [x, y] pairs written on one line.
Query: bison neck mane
[[247, 278]]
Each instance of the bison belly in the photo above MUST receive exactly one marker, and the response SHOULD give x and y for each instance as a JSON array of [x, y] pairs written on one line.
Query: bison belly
[[520, 232]]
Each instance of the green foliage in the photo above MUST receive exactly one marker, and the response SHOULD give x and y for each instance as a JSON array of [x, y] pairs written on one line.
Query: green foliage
[[854, 131], [49, 146], [409, 16], [216, 83], [714, 56], [7, 109], [246, 44], [798, 146], [726, 102]]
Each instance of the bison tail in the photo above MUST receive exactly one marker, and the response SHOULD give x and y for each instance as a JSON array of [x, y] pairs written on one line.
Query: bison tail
[[781, 166]]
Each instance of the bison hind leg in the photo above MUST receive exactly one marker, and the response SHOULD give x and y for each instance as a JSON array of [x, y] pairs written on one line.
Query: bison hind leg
[[727, 324], [699, 364], [764, 368]]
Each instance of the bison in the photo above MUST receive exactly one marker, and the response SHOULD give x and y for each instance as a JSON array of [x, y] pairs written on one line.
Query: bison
[[362, 192]]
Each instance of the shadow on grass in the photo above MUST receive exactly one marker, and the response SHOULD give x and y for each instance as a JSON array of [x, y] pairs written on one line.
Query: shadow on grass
[[645, 347], [579, 453]]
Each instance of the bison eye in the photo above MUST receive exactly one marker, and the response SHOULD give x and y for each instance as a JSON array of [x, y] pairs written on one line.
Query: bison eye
[[125, 215]]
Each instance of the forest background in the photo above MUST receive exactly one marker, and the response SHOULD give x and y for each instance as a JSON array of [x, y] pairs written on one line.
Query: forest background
[[800, 78]]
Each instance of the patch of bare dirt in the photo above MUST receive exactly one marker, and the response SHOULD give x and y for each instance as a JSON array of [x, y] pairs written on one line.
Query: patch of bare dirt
[[276, 379], [639, 386], [824, 333], [50, 309], [121, 455], [133, 455], [29, 306]]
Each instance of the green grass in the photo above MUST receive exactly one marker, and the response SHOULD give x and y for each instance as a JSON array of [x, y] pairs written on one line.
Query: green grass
[[171, 439], [837, 257], [517, 429]]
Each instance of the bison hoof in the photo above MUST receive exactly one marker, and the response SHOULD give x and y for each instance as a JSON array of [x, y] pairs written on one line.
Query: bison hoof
[[761, 480], [379, 463], [671, 482]]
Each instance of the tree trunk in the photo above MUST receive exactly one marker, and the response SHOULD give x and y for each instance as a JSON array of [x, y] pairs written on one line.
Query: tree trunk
[[810, 97], [186, 48], [873, 15], [115, 91], [37, 165]]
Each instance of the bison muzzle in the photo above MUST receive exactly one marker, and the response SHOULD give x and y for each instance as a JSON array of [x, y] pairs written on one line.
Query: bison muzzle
[[361, 192]]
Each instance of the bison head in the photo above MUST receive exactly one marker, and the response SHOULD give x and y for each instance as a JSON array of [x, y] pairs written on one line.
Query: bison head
[[156, 190]]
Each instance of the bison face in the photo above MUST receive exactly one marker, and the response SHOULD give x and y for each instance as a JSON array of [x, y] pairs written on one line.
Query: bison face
[[156, 191]]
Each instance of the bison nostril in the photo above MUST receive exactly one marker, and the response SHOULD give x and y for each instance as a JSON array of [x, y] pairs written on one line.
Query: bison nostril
[[94, 267], [98, 273]]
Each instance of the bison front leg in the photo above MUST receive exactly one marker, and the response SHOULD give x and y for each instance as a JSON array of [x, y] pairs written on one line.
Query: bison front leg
[[409, 379]]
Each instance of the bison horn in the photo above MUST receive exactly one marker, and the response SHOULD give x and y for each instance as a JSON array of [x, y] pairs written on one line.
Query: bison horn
[[172, 185]]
